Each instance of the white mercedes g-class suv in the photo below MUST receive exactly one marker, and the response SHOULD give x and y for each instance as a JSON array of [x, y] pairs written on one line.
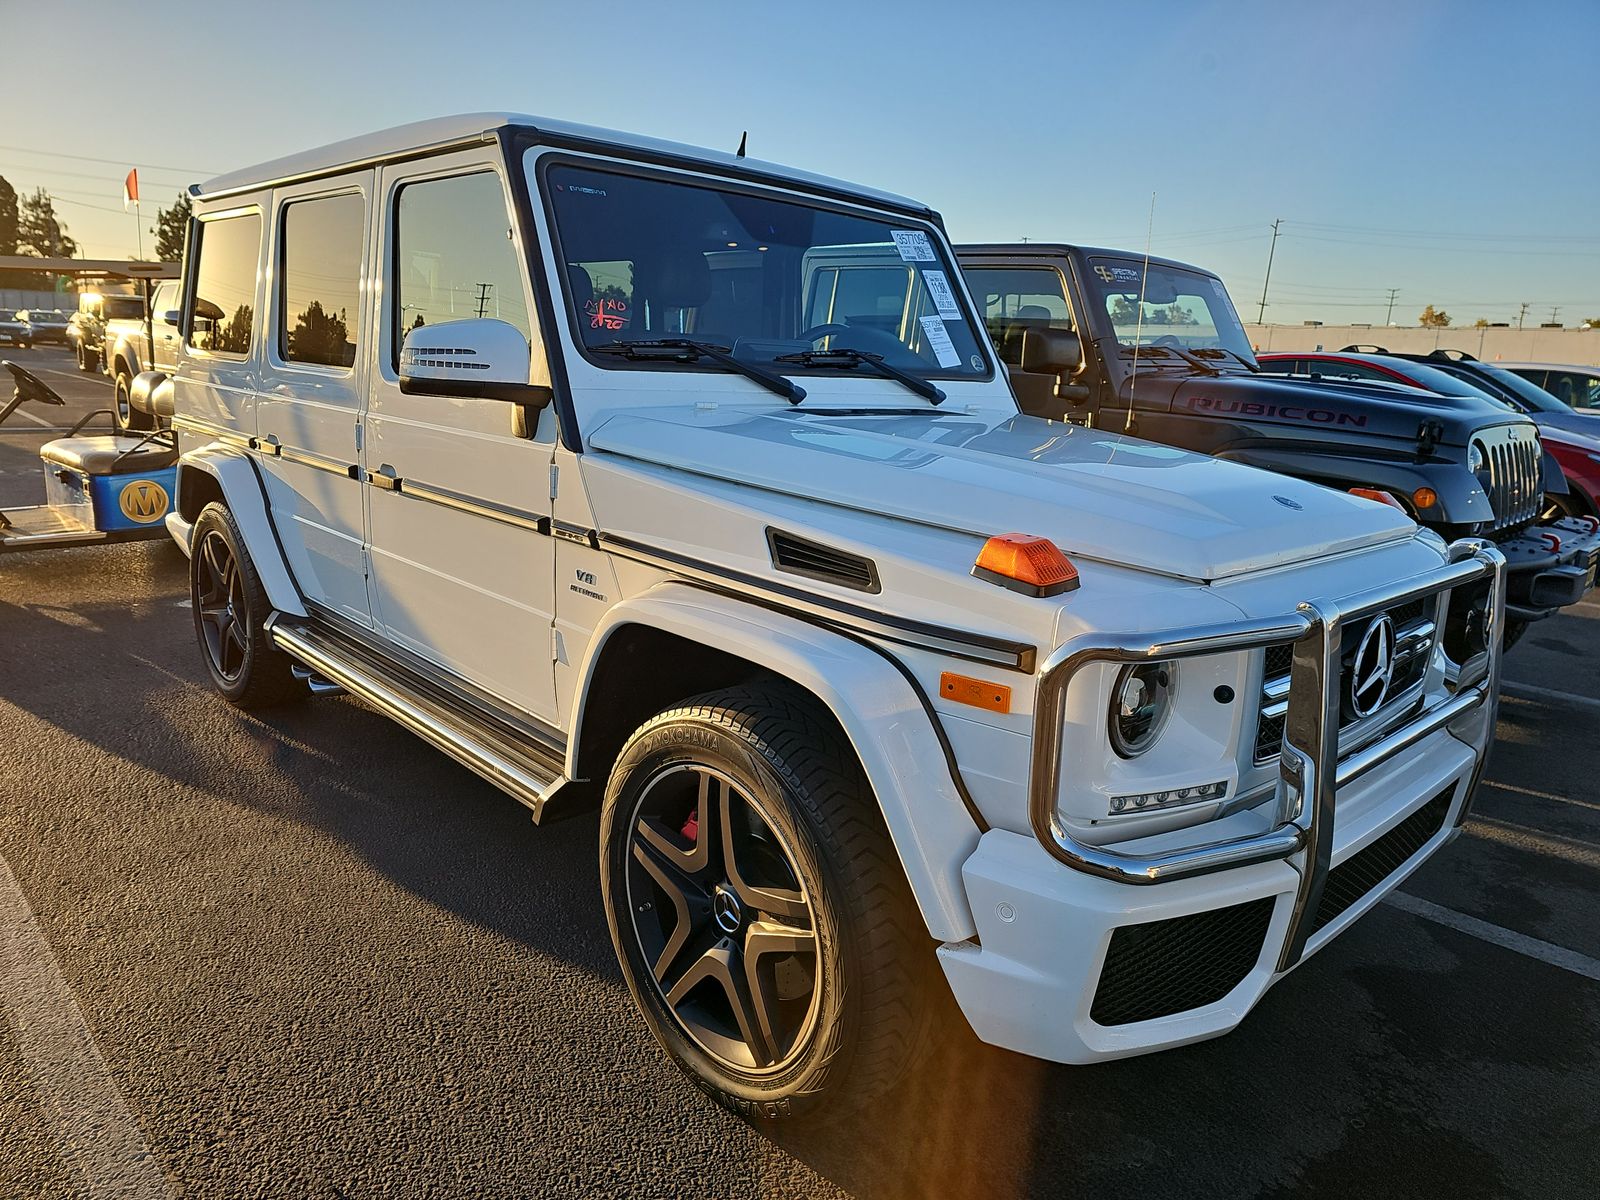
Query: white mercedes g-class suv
[[598, 462]]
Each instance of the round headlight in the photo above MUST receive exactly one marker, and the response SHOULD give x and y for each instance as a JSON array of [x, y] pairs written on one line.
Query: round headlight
[[1476, 459], [1140, 703]]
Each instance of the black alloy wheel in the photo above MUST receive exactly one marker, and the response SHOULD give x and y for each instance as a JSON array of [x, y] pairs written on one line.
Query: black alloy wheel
[[722, 917], [219, 603]]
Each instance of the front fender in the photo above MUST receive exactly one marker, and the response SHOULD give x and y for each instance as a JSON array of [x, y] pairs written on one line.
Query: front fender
[[123, 350], [214, 468], [878, 709], [1461, 498]]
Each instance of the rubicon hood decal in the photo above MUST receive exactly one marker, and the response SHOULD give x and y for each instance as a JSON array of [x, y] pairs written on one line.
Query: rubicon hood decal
[[1096, 494]]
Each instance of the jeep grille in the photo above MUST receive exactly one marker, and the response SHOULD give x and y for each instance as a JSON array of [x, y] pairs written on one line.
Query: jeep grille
[[1515, 481]]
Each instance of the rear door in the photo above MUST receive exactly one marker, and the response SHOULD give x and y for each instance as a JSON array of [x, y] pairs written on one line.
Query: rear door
[[308, 410], [458, 490]]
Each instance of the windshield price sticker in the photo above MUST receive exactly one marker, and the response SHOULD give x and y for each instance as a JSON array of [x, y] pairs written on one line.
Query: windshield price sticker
[[939, 341], [913, 245], [943, 298]]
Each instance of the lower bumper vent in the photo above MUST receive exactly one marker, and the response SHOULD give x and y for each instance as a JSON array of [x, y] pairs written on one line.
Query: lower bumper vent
[[1165, 967], [1365, 870]]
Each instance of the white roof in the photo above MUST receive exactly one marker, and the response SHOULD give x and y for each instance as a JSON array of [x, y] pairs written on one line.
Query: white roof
[[441, 130]]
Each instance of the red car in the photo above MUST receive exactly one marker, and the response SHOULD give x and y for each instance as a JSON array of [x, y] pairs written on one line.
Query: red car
[[1577, 454]]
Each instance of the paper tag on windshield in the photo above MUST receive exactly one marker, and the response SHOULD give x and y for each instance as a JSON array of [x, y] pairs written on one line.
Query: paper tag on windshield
[[943, 298], [939, 341], [913, 245]]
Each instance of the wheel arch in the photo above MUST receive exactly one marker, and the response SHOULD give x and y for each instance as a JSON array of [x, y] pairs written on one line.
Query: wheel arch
[[221, 473], [719, 641]]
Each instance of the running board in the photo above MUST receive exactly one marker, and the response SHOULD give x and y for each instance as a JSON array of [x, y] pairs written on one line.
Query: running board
[[528, 773], [315, 684]]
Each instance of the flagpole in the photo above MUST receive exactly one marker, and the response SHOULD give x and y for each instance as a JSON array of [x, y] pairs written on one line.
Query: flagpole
[[138, 228]]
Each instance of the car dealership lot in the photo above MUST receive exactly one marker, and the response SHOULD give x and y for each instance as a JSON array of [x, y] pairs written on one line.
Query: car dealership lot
[[308, 955]]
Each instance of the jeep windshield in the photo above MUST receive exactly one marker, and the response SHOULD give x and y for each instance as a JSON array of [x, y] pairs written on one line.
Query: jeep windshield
[[763, 279], [1185, 315]]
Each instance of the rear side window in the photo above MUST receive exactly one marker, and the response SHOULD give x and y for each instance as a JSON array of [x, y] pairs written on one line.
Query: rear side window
[[454, 257], [320, 280], [225, 285]]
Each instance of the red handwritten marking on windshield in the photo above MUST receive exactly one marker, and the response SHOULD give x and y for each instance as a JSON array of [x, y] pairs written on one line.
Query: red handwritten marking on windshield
[[607, 314]]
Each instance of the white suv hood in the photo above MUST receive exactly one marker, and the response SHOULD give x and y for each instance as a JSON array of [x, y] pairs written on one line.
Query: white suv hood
[[1095, 494]]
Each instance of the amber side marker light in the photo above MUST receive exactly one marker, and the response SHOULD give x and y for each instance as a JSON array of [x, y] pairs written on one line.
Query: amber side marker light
[[1378, 494], [1031, 565], [1424, 497], [980, 693]]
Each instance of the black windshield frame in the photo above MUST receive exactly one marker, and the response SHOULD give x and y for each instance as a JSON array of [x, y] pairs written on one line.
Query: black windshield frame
[[799, 194]]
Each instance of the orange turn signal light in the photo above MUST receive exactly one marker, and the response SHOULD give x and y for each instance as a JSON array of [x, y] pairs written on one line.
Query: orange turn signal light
[[980, 693], [1027, 564], [1424, 497], [1378, 494]]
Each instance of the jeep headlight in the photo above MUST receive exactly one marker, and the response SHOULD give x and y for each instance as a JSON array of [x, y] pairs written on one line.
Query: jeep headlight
[[1478, 463], [1140, 704]]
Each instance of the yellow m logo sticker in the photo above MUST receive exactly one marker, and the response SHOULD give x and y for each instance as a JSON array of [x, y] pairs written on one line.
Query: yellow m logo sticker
[[143, 500]]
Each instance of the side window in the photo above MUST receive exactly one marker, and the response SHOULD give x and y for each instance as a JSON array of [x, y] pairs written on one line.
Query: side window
[[1327, 369], [319, 280], [454, 257], [225, 285], [1016, 299]]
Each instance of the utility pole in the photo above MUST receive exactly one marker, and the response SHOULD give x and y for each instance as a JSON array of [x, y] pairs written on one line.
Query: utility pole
[[1261, 315], [1522, 314], [1553, 313], [483, 298], [1388, 318]]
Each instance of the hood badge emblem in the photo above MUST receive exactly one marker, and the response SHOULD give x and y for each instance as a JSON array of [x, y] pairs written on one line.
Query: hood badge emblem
[[1288, 503], [1373, 669]]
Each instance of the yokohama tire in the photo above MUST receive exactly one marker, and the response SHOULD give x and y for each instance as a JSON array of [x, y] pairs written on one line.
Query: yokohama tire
[[803, 817], [230, 613]]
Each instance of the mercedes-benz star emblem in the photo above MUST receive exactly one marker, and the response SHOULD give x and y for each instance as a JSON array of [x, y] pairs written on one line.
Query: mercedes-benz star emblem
[[1373, 668], [725, 908], [1288, 503]]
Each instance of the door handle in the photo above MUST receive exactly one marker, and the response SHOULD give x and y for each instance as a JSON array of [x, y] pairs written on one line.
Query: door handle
[[384, 477], [271, 444]]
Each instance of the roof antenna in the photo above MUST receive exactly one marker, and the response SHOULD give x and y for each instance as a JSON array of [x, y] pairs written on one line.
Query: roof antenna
[[740, 152], [1138, 327]]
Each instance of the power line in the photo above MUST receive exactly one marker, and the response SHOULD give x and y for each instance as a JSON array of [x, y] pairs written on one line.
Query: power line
[[115, 162]]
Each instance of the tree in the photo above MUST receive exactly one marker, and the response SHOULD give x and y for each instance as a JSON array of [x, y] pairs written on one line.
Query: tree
[[171, 225], [1481, 323], [1432, 318], [40, 231], [8, 217]]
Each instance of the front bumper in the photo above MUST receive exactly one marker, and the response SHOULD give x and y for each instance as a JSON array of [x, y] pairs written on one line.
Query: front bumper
[[1550, 566], [1142, 946]]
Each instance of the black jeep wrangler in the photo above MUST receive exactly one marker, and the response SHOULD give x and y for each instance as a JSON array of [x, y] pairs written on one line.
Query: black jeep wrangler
[[1152, 347]]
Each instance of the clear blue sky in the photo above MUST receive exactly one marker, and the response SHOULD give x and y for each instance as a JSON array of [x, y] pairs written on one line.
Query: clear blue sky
[[1451, 150]]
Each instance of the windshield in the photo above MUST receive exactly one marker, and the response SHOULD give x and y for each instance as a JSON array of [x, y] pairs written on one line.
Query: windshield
[[1182, 309], [649, 259], [1530, 394]]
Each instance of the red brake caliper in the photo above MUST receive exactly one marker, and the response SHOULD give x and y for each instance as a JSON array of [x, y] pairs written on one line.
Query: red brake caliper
[[691, 827]]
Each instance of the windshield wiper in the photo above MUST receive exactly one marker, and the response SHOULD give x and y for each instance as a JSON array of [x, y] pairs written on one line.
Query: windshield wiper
[[1176, 351], [1219, 351], [687, 350], [846, 357]]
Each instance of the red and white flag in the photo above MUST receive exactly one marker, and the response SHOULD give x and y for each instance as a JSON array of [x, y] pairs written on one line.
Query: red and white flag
[[130, 189]]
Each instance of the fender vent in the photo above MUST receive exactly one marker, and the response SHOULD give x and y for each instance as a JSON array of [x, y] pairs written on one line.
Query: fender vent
[[799, 556]]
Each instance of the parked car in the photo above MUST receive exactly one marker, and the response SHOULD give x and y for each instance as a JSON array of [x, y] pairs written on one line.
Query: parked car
[[86, 329], [141, 342], [16, 330], [1575, 386], [659, 496], [1570, 450], [1164, 355], [46, 325], [1504, 385]]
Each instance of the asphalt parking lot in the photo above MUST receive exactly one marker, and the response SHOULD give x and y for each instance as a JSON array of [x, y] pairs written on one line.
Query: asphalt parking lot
[[306, 955]]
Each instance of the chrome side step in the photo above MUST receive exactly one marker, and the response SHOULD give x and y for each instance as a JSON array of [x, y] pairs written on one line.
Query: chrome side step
[[316, 684], [530, 774]]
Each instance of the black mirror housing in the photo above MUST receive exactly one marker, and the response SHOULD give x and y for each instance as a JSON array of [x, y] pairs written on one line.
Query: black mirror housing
[[1051, 351]]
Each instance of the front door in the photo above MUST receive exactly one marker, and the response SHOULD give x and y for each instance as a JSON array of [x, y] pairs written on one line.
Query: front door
[[460, 573], [307, 413]]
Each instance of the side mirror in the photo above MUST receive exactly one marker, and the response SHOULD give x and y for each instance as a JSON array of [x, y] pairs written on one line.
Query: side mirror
[[171, 317], [480, 358], [1051, 351], [1056, 352]]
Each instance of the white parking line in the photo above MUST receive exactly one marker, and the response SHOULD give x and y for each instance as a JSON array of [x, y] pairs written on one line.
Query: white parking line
[[28, 416], [1526, 691], [1522, 791], [1520, 837], [1521, 943], [88, 1120]]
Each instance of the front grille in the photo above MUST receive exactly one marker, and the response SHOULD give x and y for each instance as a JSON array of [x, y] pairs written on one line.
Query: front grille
[[1415, 634], [1365, 870], [1516, 484], [1165, 967]]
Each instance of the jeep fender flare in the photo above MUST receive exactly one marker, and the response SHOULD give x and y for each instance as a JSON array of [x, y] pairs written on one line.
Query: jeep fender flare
[[216, 468], [1461, 497], [881, 713]]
